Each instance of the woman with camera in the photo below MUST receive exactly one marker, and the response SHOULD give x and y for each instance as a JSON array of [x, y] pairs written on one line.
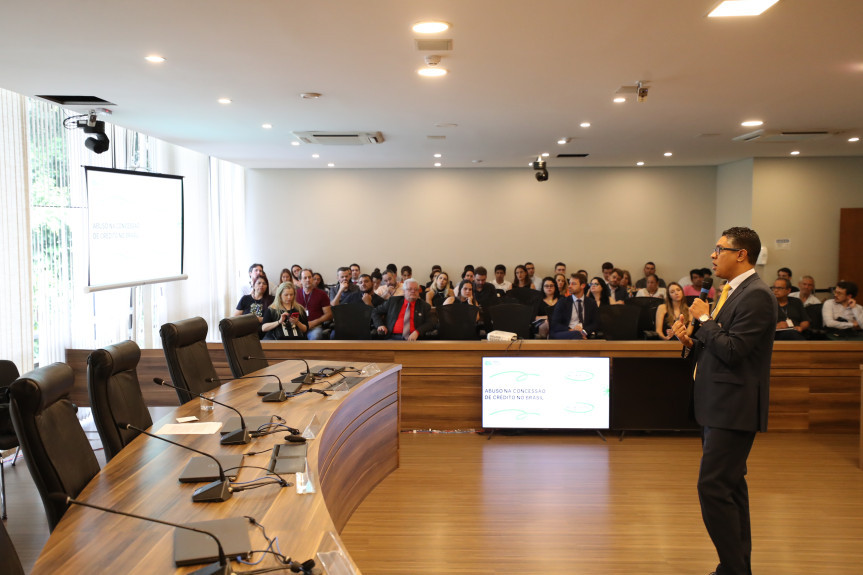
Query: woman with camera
[[285, 318]]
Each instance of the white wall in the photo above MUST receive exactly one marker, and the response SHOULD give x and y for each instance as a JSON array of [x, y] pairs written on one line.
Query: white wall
[[799, 199], [326, 218], [734, 195]]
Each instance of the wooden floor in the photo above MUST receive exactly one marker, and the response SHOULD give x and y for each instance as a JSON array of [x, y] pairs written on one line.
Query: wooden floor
[[576, 505]]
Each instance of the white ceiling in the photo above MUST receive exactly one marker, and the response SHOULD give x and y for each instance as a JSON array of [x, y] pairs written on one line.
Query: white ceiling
[[522, 74]]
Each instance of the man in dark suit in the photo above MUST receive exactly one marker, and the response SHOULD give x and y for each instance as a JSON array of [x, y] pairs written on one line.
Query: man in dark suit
[[577, 316], [731, 354], [404, 317]]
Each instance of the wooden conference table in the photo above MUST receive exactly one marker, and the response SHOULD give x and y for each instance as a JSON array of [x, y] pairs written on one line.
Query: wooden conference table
[[356, 448]]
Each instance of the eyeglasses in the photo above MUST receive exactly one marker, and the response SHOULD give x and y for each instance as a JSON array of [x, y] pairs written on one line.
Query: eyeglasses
[[719, 249], [779, 288], [594, 284]]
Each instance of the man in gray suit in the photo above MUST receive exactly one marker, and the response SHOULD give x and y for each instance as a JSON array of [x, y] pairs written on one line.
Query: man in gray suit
[[731, 356]]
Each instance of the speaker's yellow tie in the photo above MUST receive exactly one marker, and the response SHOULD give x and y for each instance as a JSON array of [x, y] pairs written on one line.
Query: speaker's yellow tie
[[722, 297]]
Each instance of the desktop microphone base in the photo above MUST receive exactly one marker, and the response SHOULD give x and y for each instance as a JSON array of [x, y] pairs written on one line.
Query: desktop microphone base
[[214, 492], [275, 397], [238, 437], [213, 569]]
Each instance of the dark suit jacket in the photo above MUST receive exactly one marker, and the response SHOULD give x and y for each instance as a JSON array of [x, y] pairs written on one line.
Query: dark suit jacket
[[563, 314], [388, 312], [732, 380]]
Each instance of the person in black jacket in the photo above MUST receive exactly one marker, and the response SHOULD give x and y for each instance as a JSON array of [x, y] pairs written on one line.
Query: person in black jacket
[[731, 354], [577, 315], [389, 317]]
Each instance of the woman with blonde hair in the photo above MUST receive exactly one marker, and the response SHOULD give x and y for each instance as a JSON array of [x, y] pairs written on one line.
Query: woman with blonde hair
[[667, 313], [439, 290], [285, 318]]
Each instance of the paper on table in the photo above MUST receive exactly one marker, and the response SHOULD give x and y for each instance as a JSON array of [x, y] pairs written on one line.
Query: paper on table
[[201, 428], [187, 419]]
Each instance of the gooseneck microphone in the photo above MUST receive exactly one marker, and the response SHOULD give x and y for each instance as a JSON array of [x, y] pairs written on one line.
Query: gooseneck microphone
[[216, 491], [220, 568], [276, 396], [307, 379], [238, 437]]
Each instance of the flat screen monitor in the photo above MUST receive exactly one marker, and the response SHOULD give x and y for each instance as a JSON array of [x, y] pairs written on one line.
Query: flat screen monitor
[[135, 228], [545, 392]]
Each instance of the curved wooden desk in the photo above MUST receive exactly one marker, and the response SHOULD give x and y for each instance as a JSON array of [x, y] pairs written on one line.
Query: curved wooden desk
[[356, 449]]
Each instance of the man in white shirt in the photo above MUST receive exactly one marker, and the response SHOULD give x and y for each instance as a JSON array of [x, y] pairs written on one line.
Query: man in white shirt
[[500, 283], [842, 314], [652, 288], [807, 292]]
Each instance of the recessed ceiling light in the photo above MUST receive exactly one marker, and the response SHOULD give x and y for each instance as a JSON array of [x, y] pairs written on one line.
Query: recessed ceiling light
[[267, 126], [437, 155], [316, 156], [639, 163], [795, 153], [854, 139], [224, 100], [331, 165], [563, 141], [430, 27], [667, 154], [751, 123], [741, 8], [310, 95], [154, 59], [295, 143], [585, 124], [432, 72], [545, 154], [619, 100], [437, 164]]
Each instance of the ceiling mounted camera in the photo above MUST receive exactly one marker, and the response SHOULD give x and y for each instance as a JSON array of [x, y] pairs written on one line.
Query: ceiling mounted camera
[[541, 171]]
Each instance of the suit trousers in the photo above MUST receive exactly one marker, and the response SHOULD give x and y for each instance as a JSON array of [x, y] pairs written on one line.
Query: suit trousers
[[567, 335], [724, 497]]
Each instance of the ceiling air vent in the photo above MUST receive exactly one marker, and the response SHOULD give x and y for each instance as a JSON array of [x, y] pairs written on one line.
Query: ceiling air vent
[[340, 138], [572, 155], [784, 137]]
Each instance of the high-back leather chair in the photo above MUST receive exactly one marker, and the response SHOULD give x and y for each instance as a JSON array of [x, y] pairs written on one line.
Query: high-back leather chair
[[619, 322], [512, 317], [115, 394], [240, 340], [457, 322], [10, 564], [352, 321], [185, 346], [8, 439], [55, 446]]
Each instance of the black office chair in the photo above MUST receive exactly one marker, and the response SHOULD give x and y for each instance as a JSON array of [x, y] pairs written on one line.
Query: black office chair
[[647, 316], [8, 439], [10, 564], [512, 317], [55, 446], [240, 340], [189, 363], [816, 322], [115, 395], [619, 322], [457, 321], [352, 321]]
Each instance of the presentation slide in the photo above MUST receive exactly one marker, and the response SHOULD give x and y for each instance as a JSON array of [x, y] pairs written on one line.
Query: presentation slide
[[545, 392], [135, 224]]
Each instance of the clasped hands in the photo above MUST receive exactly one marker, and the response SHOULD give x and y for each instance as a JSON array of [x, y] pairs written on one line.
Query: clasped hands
[[698, 308]]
